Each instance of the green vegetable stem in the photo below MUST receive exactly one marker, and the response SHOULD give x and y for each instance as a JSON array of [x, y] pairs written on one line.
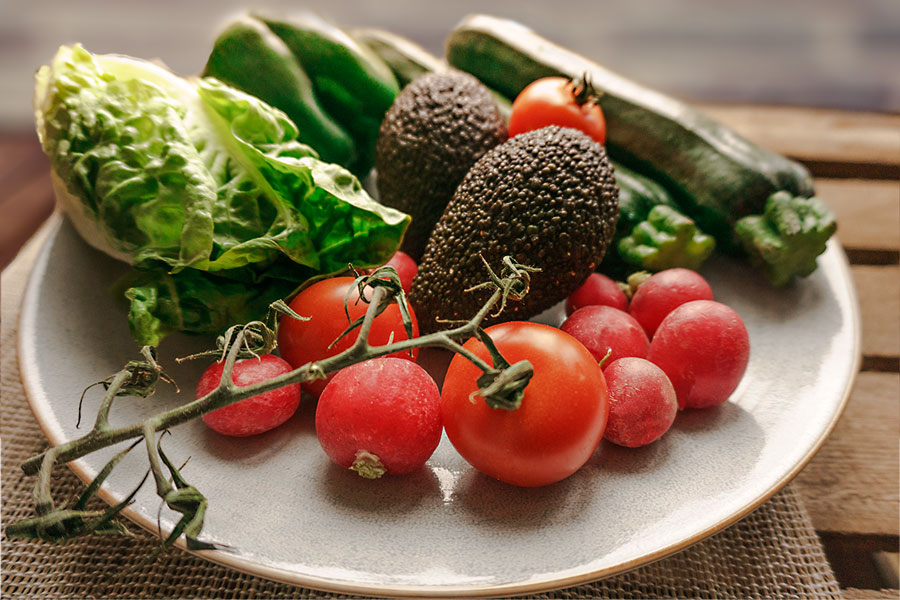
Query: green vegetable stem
[[406, 59], [502, 385], [786, 239], [667, 239], [652, 233]]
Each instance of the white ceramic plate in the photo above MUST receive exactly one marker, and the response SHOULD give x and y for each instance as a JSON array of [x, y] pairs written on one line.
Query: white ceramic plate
[[288, 514]]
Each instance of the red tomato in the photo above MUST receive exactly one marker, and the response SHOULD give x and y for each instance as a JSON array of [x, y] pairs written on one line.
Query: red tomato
[[703, 347], [605, 329], [597, 289], [300, 342], [642, 403], [256, 414], [561, 419], [380, 416], [665, 291], [406, 268], [555, 101]]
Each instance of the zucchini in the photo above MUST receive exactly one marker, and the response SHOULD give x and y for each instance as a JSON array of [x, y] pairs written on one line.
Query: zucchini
[[405, 58], [408, 60], [715, 175], [637, 196]]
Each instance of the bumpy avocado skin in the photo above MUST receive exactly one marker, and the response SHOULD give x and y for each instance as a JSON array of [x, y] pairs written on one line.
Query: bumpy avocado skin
[[439, 125], [548, 198]]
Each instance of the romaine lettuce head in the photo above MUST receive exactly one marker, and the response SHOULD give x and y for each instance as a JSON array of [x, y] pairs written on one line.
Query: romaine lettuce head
[[205, 190]]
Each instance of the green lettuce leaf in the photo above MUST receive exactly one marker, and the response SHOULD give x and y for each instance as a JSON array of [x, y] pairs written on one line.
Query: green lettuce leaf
[[204, 189], [192, 300]]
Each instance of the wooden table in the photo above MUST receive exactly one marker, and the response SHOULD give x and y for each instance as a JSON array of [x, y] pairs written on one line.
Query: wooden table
[[851, 487]]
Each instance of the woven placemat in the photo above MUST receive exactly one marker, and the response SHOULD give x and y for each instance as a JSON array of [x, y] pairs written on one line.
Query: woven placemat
[[772, 553]]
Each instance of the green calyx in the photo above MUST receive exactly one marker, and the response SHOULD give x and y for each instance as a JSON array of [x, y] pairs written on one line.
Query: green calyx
[[505, 389], [666, 239], [785, 240], [583, 91]]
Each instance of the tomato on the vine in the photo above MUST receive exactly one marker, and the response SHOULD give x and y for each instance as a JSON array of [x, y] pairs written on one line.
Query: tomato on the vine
[[300, 342], [406, 268], [558, 101], [559, 423]]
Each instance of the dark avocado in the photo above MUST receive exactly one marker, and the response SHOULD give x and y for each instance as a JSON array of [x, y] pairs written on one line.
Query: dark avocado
[[438, 126], [548, 198]]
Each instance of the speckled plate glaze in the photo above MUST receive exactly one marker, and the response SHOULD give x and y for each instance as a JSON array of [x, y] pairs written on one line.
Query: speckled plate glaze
[[288, 514]]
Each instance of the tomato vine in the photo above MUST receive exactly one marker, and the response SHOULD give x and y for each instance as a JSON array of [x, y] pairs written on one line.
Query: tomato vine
[[502, 384]]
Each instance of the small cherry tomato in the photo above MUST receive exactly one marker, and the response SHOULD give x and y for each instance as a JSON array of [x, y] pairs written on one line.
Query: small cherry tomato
[[597, 289], [703, 347], [642, 403], [300, 342], [559, 423], [662, 292], [256, 414], [558, 101], [380, 416], [604, 329]]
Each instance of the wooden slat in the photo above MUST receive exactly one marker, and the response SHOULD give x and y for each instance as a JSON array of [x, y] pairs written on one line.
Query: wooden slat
[[858, 594], [888, 565], [868, 212], [23, 210], [21, 158], [851, 485], [819, 136], [878, 290], [11, 142], [853, 558]]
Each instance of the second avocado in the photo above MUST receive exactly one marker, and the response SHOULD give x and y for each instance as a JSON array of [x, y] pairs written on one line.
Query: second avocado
[[547, 198]]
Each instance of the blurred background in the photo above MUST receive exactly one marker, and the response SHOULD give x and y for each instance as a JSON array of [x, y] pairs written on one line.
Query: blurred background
[[823, 53], [829, 54]]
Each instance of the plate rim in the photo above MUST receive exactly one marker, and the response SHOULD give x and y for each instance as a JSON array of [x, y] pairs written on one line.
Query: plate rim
[[40, 410]]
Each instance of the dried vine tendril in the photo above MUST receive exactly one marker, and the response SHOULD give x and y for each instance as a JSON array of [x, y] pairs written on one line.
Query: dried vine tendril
[[501, 385]]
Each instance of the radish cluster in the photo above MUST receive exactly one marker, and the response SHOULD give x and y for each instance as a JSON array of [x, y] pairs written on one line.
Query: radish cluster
[[671, 347]]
